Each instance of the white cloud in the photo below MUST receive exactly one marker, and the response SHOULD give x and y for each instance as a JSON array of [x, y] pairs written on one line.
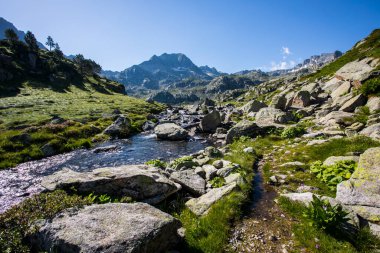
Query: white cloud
[[286, 51], [282, 65]]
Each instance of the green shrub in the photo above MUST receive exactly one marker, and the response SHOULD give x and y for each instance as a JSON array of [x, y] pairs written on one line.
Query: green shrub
[[217, 182], [333, 174], [324, 216], [371, 87], [362, 114], [157, 163], [292, 132]]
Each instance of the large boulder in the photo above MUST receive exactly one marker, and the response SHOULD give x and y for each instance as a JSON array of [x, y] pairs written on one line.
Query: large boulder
[[267, 116], [334, 159], [279, 102], [201, 205], [210, 121], [337, 117], [253, 106], [353, 103], [190, 181], [373, 104], [343, 89], [373, 131], [170, 131], [243, 128], [120, 128], [301, 99], [140, 182], [108, 228], [362, 190], [357, 70]]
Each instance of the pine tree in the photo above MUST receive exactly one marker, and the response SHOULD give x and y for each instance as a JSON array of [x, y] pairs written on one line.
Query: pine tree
[[58, 52], [10, 35], [31, 41], [50, 43]]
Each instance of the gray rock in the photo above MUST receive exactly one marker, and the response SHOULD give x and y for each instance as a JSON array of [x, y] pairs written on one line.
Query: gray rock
[[201, 172], [140, 182], [353, 103], [234, 178], [218, 164], [357, 70], [170, 131], [212, 152], [201, 205], [272, 115], [210, 122], [243, 128], [343, 89], [210, 171], [120, 128], [306, 188], [279, 102], [249, 150], [334, 159], [301, 99], [148, 125], [190, 181], [372, 131], [253, 106], [109, 228], [337, 117], [373, 104], [105, 149], [316, 142]]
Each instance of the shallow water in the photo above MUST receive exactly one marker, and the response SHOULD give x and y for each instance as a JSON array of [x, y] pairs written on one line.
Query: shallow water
[[24, 180]]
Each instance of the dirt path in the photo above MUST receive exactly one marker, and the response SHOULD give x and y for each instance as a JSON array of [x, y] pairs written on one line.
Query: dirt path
[[264, 227]]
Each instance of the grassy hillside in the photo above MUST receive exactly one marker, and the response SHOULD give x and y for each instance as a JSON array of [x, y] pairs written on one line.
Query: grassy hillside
[[369, 47], [37, 86]]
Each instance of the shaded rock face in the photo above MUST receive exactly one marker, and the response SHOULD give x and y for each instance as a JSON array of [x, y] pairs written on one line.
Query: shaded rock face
[[201, 205], [353, 103], [373, 104], [301, 99], [140, 182], [362, 190], [108, 228], [170, 131], [272, 115], [211, 121], [253, 106], [120, 128], [243, 128], [279, 102]]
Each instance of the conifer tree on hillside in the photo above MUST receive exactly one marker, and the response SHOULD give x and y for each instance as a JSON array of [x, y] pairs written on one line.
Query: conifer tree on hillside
[[31, 41], [50, 43], [10, 35], [57, 51]]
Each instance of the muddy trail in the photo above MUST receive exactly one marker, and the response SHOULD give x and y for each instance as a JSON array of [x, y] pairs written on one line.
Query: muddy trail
[[264, 227]]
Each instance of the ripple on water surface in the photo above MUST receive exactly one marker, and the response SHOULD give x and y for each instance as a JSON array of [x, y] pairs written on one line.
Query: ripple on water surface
[[19, 182]]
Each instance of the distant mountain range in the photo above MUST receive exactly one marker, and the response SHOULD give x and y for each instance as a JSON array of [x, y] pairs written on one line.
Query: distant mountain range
[[4, 25], [160, 71]]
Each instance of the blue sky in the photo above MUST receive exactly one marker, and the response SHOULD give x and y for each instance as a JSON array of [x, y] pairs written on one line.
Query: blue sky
[[231, 35]]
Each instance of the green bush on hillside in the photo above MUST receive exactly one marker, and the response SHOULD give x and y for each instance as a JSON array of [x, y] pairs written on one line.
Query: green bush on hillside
[[293, 131], [371, 87]]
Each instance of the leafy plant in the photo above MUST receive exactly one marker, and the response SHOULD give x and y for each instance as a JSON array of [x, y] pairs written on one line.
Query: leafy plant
[[324, 216], [362, 114], [104, 198], [333, 174], [292, 132], [217, 182], [157, 163]]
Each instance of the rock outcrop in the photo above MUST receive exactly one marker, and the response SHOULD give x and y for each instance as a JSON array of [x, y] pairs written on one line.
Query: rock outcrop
[[170, 131], [108, 228], [120, 128], [140, 182], [210, 122]]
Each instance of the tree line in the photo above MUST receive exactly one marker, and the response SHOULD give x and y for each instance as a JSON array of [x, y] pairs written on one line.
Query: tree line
[[84, 66]]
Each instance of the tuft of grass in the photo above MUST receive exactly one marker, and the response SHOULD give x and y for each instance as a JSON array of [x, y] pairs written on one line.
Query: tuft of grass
[[210, 233]]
